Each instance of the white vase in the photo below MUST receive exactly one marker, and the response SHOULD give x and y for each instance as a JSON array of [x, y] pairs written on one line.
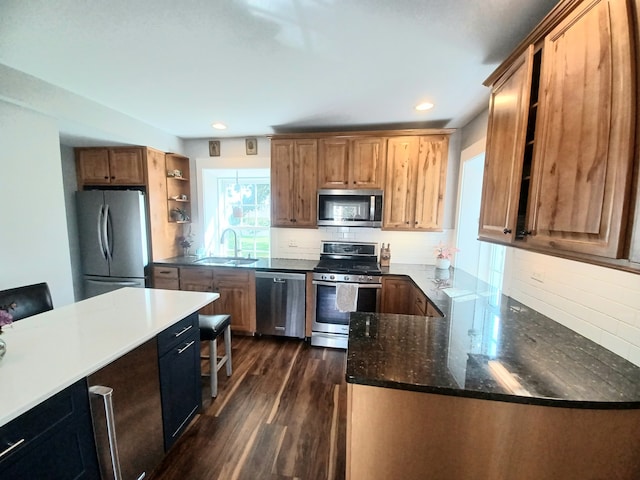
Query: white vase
[[443, 263]]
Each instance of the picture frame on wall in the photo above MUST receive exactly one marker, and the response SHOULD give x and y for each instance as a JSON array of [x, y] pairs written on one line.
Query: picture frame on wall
[[214, 148], [252, 146]]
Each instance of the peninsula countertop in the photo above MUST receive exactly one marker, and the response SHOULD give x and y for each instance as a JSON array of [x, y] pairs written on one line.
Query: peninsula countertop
[[486, 346], [49, 351]]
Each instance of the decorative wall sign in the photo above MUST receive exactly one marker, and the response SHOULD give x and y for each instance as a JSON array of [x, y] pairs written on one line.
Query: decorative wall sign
[[214, 148], [252, 146]]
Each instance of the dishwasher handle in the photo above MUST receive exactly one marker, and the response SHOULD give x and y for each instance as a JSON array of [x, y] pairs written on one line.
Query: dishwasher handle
[[106, 393], [281, 276]]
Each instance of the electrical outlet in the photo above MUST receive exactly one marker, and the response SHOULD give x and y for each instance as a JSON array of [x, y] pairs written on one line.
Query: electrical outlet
[[538, 276], [293, 243]]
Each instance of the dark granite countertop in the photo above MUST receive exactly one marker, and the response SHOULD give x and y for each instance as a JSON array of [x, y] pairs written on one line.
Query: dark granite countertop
[[487, 346], [277, 264]]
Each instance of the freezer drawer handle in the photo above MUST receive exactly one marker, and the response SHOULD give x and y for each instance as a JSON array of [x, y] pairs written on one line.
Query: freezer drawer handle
[[180, 350], [12, 446], [185, 329], [279, 280], [107, 397]]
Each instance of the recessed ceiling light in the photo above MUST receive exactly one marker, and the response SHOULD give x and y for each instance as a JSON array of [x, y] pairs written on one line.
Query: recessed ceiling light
[[219, 126], [424, 106]]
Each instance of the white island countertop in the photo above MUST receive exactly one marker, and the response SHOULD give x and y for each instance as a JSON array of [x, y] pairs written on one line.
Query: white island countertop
[[48, 352]]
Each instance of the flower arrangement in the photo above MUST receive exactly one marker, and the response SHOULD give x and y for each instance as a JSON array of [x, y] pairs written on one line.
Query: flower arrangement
[[186, 241], [444, 251], [5, 317]]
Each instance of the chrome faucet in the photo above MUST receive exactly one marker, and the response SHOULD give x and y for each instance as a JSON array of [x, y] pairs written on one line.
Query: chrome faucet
[[235, 240]]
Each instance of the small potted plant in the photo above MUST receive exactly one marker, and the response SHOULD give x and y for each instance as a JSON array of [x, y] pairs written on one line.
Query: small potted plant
[[444, 254], [185, 242]]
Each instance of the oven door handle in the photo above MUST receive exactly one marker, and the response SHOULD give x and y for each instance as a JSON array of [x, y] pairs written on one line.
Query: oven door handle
[[360, 285]]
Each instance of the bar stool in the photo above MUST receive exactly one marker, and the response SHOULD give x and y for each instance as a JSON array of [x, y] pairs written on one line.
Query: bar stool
[[211, 326]]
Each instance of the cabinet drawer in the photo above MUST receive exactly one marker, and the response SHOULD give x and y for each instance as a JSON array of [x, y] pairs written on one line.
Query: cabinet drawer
[[166, 283], [43, 420], [196, 274], [175, 334], [232, 275], [165, 272]]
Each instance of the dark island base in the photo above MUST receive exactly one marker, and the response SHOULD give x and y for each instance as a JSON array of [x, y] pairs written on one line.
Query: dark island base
[[411, 435]]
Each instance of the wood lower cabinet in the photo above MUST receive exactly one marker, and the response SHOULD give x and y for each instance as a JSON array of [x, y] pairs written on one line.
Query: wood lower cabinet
[[110, 166], [400, 295], [351, 163], [415, 182], [52, 440], [237, 289], [562, 133], [294, 174]]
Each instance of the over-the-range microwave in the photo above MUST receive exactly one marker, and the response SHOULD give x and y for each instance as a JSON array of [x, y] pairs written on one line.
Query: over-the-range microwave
[[350, 208]]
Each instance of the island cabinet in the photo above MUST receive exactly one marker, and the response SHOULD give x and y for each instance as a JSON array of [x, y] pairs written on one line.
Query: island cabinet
[[294, 174], [415, 183], [180, 386], [52, 440], [561, 134], [351, 163], [110, 166], [237, 289]]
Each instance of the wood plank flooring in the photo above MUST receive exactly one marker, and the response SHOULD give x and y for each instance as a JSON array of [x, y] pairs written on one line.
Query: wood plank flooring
[[281, 415]]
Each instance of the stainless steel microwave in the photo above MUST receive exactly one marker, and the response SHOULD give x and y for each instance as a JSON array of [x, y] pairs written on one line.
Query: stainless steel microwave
[[350, 208]]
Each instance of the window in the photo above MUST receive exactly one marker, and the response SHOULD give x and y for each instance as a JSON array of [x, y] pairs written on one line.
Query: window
[[239, 201]]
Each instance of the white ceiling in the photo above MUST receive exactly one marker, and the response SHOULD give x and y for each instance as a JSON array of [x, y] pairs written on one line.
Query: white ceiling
[[264, 66]]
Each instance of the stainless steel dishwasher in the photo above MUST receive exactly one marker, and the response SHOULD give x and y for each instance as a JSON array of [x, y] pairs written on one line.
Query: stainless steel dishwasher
[[280, 304]]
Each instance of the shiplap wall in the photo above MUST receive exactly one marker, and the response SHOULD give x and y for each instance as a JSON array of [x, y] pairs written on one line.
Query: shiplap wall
[[602, 304]]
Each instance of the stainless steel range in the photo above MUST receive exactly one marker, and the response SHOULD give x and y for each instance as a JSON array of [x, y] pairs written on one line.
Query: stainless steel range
[[346, 270]]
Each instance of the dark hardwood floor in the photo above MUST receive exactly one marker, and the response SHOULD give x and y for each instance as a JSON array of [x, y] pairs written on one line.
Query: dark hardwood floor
[[281, 415]]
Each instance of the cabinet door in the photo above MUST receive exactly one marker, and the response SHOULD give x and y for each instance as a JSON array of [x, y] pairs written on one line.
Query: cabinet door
[[180, 386], [93, 166], [305, 183], [508, 113], [397, 296], [281, 182], [237, 289], [333, 163], [583, 158], [366, 168], [400, 185], [431, 175], [198, 280], [126, 166]]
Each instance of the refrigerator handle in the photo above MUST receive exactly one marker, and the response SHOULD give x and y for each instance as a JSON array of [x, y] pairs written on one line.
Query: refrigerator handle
[[100, 227], [107, 397], [106, 230]]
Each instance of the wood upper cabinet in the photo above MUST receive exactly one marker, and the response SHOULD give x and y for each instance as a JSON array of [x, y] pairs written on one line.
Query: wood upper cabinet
[[585, 132], [415, 182], [506, 136], [561, 136], [294, 174], [351, 163], [110, 166]]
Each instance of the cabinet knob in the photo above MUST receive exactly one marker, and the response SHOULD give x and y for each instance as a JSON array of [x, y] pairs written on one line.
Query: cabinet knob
[[506, 231], [524, 233], [106, 177], [407, 223], [113, 177]]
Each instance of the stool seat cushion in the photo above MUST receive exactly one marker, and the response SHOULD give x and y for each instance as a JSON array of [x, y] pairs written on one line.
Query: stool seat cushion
[[213, 325]]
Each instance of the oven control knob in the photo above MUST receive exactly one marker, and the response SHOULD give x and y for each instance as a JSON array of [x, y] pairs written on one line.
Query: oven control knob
[[346, 278], [370, 277], [332, 277], [361, 278]]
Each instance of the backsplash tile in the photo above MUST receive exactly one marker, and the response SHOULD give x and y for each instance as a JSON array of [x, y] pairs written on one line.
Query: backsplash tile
[[600, 303]]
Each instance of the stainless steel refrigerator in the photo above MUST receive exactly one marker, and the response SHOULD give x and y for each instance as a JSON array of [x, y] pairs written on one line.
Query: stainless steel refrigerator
[[113, 239]]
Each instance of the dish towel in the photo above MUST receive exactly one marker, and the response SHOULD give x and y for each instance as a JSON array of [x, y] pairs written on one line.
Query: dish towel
[[347, 297]]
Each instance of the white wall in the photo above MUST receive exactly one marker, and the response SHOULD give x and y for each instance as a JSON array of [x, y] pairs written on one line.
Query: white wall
[[34, 246]]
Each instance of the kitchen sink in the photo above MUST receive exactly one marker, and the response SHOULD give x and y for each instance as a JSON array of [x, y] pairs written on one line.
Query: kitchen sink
[[225, 261]]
